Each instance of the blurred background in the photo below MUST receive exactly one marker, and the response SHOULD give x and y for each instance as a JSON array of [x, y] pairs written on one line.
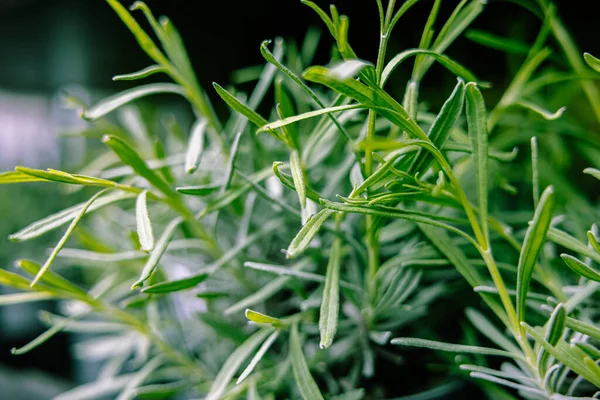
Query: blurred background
[[50, 46]]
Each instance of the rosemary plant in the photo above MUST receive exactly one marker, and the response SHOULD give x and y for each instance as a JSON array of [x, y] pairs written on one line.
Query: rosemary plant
[[382, 206]]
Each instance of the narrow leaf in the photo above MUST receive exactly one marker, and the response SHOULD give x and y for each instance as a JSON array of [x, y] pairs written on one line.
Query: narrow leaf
[[111, 103], [130, 157], [175, 286], [581, 268], [330, 304], [63, 240], [52, 279], [477, 122], [592, 61], [298, 178], [234, 361], [307, 115], [199, 190], [157, 253], [451, 65], [442, 127], [240, 107], [17, 177], [307, 385], [453, 348], [144, 226], [532, 245], [258, 356], [307, 233], [261, 318], [195, 146], [144, 73]]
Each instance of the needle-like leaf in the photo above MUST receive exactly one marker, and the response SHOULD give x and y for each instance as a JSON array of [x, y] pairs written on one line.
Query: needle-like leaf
[[144, 226]]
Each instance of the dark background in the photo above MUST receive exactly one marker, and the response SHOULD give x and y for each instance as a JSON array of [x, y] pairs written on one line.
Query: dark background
[[46, 45]]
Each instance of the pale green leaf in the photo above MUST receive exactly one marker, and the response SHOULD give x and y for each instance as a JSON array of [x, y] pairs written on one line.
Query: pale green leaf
[[234, 361], [144, 73], [304, 380], [156, 254], [195, 146], [144, 226], [454, 348], [63, 240], [330, 304], [532, 245], [592, 61], [307, 233], [581, 268], [258, 356], [477, 122], [111, 103]]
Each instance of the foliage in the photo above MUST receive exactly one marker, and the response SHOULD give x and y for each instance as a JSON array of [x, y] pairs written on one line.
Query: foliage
[[388, 210]]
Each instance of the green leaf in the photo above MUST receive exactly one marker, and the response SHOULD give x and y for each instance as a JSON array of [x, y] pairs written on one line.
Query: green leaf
[[311, 114], [60, 218], [550, 116], [532, 245], [199, 190], [392, 212], [234, 361], [583, 327], [571, 356], [130, 157], [477, 122], [161, 390], [18, 177], [13, 280], [144, 226], [442, 127], [581, 268], [326, 19], [564, 239], [330, 304], [288, 181], [52, 279], [307, 233], [261, 318], [144, 73], [195, 146], [451, 65], [371, 97], [229, 196], [453, 348], [175, 286], [307, 385], [63, 240], [156, 254], [18, 298], [44, 337], [52, 175], [142, 37], [298, 178], [111, 103], [593, 172], [273, 60], [240, 107], [592, 61], [258, 356], [554, 333]]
